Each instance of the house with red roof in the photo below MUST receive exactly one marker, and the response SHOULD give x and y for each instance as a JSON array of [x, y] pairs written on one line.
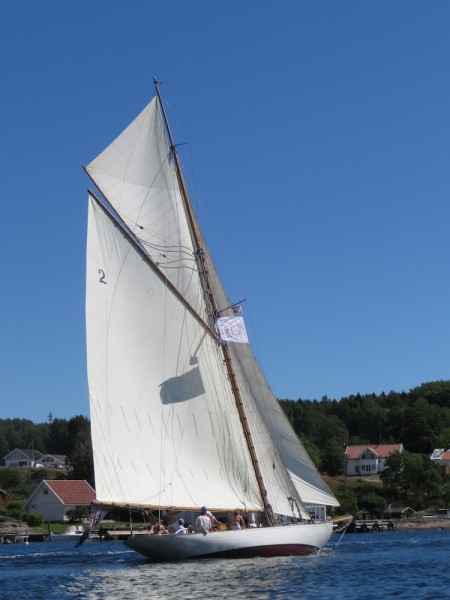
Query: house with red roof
[[441, 456], [53, 498], [369, 459]]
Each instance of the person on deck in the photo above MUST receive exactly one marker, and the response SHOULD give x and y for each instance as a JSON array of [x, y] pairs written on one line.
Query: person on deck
[[181, 530], [171, 519], [159, 529], [212, 518], [203, 523], [236, 521]]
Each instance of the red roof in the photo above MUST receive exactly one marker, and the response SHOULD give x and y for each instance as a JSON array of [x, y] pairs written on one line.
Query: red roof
[[382, 450], [72, 491], [445, 455]]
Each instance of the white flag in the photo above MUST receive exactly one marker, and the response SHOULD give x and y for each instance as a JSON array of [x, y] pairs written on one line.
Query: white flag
[[232, 329]]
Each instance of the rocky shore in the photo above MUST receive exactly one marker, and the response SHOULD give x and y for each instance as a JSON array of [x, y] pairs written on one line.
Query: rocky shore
[[422, 523], [10, 525]]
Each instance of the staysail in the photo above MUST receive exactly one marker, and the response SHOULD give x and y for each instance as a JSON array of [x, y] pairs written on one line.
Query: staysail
[[165, 426]]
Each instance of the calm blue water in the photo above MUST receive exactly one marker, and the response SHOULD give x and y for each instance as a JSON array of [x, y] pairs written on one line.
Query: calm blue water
[[384, 565]]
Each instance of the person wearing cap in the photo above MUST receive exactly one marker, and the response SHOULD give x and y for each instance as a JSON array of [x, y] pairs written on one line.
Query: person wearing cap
[[204, 522], [212, 518]]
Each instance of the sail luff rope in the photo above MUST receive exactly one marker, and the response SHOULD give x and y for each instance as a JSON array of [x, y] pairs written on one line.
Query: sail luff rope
[[144, 254], [210, 299]]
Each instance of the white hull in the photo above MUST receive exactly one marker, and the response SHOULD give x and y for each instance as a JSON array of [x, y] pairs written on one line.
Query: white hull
[[264, 541]]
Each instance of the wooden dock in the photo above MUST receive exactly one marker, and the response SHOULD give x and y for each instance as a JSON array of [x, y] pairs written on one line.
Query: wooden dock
[[370, 526], [14, 538]]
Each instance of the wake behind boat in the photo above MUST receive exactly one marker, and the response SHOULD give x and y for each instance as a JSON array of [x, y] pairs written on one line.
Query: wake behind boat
[[181, 414], [71, 534]]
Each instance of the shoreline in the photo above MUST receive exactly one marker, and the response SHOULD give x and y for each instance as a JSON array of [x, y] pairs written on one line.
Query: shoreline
[[421, 523]]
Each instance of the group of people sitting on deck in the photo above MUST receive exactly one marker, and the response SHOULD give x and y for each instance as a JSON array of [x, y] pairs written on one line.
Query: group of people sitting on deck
[[204, 523]]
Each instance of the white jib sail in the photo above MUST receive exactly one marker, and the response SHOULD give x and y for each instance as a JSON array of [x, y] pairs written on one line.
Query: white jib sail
[[165, 428]]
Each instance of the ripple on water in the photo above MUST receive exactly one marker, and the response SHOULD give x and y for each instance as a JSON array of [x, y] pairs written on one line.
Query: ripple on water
[[373, 566]]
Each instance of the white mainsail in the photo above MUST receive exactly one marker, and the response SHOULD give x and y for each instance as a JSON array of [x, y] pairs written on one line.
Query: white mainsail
[[165, 426], [165, 429]]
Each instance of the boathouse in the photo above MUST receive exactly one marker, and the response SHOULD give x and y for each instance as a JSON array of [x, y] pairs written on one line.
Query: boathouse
[[53, 499], [399, 512]]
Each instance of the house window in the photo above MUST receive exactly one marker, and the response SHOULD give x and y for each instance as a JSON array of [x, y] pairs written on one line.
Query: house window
[[367, 456], [45, 491]]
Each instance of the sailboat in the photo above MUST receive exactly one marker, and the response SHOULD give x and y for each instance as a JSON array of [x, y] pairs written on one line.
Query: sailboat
[[181, 413]]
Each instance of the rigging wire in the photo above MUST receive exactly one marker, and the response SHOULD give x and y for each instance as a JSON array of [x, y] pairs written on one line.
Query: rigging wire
[[344, 531]]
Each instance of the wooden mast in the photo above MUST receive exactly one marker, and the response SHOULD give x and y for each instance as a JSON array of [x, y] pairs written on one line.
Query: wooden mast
[[207, 288]]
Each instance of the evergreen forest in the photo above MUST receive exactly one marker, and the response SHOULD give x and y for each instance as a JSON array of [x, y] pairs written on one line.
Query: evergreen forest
[[419, 419]]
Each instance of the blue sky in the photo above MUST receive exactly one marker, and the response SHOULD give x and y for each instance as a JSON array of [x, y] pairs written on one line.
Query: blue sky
[[319, 136]]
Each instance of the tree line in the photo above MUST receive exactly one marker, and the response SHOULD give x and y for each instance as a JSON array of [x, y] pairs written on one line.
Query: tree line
[[71, 438], [419, 419]]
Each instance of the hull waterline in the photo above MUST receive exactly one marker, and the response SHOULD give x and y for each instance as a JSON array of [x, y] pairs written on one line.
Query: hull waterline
[[295, 540]]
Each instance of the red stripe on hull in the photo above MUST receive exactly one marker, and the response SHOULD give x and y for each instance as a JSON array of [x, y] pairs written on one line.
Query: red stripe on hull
[[264, 551]]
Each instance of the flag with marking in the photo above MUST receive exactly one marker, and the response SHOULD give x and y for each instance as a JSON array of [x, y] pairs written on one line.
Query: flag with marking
[[232, 329]]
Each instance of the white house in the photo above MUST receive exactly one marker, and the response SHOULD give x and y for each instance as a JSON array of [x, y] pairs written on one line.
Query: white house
[[54, 498], [53, 461], [369, 459], [23, 457]]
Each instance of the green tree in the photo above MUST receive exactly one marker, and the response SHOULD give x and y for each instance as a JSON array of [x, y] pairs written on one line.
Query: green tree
[[10, 478], [35, 519], [413, 479], [59, 436], [373, 503], [345, 495], [312, 450], [422, 426], [333, 460], [81, 463]]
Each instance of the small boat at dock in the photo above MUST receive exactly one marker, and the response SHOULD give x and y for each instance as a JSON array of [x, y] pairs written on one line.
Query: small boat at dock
[[71, 534]]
